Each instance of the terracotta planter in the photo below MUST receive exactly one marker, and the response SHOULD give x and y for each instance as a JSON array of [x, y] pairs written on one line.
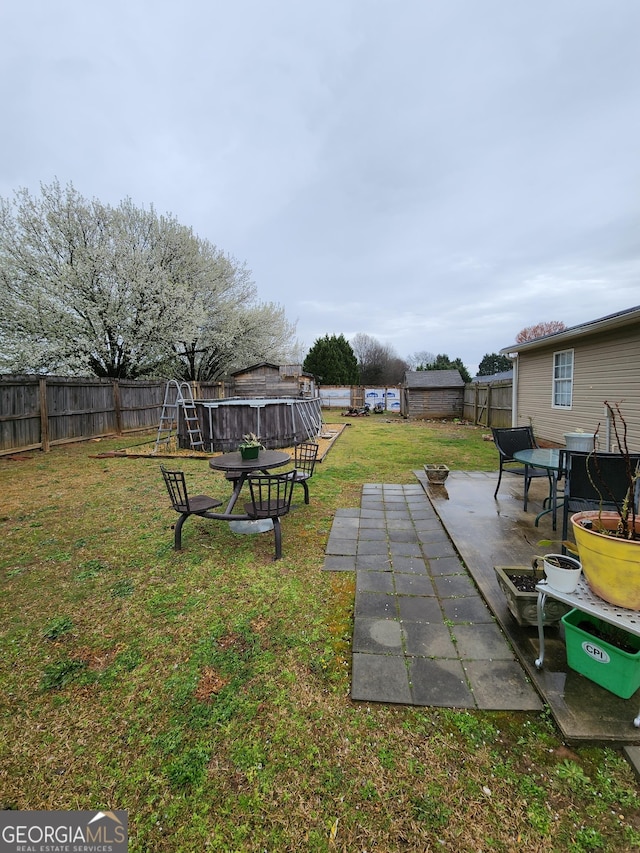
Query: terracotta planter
[[436, 473], [524, 605], [610, 565]]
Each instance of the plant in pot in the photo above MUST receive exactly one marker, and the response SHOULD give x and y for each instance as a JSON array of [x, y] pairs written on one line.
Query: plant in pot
[[436, 473], [608, 540], [250, 446], [518, 583]]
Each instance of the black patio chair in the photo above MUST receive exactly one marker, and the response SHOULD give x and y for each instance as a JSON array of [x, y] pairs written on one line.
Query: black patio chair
[[584, 487], [183, 503], [510, 440], [305, 457], [271, 498]]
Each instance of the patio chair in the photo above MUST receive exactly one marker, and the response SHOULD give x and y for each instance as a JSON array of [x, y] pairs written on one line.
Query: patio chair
[[584, 489], [185, 504], [305, 456], [509, 440], [271, 498]]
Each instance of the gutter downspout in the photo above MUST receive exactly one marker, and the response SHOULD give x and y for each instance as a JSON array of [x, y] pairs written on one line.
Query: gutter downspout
[[514, 391]]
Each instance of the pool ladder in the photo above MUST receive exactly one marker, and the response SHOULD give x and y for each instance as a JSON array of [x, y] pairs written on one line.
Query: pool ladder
[[178, 395]]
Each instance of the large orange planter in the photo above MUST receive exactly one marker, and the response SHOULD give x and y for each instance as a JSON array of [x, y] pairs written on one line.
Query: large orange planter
[[610, 565]]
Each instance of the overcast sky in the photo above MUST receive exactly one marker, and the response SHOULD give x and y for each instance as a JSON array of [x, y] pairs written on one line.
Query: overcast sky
[[437, 174]]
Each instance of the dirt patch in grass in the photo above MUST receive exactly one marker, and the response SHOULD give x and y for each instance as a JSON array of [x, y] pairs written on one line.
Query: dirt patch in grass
[[210, 684]]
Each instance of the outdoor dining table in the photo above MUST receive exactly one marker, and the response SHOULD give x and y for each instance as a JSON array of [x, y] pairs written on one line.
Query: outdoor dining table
[[234, 464], [548, 458]]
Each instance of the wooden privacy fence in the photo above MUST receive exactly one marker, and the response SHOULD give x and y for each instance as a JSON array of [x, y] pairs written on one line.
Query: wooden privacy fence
[[37, 412], [488, 403]]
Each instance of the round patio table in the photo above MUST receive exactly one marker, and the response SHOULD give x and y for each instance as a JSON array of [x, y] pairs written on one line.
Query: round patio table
[[233, 463], [548, 458]]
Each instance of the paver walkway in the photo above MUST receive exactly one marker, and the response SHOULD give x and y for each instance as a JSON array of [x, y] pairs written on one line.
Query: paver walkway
[[422, 632]]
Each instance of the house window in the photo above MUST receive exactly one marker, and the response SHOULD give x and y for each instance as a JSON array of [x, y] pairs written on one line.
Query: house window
[[562, 379]]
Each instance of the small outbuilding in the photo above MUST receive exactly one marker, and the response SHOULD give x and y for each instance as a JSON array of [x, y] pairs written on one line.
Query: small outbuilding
[[432, 394], [272, 380]]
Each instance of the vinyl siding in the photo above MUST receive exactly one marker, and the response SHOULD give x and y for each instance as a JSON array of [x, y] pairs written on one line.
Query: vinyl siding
[[605, 367]]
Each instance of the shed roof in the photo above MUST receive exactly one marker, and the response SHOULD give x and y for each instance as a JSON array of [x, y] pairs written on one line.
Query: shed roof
[[433, 379], [260, 364], [628, 317], [503, 376]]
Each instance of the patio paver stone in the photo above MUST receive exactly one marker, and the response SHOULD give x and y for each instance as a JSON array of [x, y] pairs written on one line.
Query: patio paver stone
[[422, 632]]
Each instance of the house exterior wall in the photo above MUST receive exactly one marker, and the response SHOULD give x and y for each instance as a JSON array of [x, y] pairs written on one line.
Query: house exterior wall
[[606, 366]]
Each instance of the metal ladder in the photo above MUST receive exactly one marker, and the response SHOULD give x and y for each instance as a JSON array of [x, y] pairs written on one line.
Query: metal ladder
[[305, 412], [178, 395]]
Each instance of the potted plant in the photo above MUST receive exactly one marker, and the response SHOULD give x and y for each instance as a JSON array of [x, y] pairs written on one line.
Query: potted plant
[[579, 440], [562, 572], [436, 473], [250, 446], [518, 585], [608, 542]]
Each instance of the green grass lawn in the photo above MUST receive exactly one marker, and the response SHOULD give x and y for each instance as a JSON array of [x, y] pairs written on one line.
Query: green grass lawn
[[207, 692]]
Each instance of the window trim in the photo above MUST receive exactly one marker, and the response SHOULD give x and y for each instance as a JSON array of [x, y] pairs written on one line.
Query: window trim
[[555, 380]]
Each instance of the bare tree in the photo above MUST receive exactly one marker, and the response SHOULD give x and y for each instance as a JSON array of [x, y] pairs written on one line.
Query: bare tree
[[378, 363], [420, 359]]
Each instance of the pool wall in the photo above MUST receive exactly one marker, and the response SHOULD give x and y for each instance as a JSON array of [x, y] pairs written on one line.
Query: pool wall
[[278, 422]]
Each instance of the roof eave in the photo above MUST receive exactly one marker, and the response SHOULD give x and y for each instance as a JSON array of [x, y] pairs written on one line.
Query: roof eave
[[605, 324]]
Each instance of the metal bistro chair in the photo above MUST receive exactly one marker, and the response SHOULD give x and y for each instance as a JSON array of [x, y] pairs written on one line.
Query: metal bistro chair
[[185, 504], [271, 498], [508, 441], [305, 456], [584, 488]]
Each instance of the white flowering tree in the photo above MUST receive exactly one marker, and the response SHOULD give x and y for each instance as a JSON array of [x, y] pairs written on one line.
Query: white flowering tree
[[122, 292]]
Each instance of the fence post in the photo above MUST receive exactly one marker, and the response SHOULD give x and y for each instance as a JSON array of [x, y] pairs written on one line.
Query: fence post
[[44, 415], [117, 406]]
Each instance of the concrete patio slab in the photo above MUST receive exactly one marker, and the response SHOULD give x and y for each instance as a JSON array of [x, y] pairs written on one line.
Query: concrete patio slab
[[431, 623], [412, 595], [490, 532]]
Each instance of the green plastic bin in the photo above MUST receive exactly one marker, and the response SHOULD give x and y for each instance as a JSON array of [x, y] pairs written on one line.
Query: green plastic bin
[[614, 669]]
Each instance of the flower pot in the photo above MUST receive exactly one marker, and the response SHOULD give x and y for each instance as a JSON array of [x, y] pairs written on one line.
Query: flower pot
[[580, 441], [523, 604], [250, 452], [436, 473], [613, 668], [611, 565], [562, 572]]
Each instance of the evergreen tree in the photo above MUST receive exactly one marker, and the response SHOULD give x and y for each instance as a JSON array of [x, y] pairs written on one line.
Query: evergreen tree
[[443, 362], [332, 361], [493, 363]]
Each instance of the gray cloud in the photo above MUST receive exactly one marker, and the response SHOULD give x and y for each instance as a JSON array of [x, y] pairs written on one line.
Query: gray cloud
[[438, 175]]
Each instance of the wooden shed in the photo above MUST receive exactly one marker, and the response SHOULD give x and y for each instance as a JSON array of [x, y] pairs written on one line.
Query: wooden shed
[[272, 380], [432, 394]]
